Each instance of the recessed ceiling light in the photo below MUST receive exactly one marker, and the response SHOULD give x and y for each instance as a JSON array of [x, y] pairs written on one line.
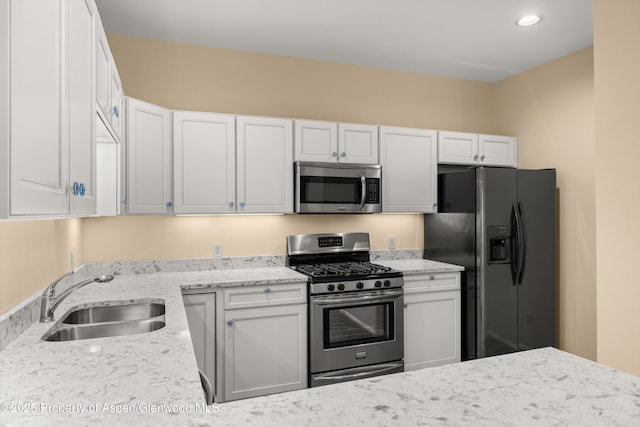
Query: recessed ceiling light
[[527, 21]]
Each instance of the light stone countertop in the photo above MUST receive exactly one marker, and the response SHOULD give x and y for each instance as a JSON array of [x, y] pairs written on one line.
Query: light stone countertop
[[152, 379]]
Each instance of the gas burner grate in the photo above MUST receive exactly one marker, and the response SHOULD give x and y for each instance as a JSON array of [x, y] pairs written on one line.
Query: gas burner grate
[[345, 269]]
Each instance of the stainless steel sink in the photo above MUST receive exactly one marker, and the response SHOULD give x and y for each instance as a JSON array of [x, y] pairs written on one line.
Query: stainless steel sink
[[109, 319], [138, 310]]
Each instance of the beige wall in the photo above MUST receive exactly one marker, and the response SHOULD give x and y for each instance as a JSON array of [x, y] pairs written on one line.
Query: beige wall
[[550, 108], [617, 115], [32, 254]]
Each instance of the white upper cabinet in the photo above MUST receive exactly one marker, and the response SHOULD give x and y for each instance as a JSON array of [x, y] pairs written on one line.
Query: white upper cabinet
[[204, 163], [357, 143], [110, 96], [148, 158], [498, 150], [48, 146], [409, 169], [462, 148], [264, 172], [317, 141], [81, 57]]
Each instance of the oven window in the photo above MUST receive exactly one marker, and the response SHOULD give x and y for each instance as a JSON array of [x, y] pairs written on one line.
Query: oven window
[[318, 189], [346, 326]]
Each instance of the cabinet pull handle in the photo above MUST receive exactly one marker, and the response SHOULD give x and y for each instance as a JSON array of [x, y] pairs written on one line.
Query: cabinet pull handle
[[230, 322], [405, 305], [231, 204], [82, 189], [475, 157], [343, 154], [482, 157], [116, 112], [242, 204], [168, 204]]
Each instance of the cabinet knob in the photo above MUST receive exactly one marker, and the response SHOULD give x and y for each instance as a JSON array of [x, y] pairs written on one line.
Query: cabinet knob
[[432, 277], [82, 189], [267, 290], [405, 305], [343, 154], [76, 188], [482, 157], [229, 322], [435, 204], [242, 204], [231, 204], [116, 112], [168, 204], [475, 157]]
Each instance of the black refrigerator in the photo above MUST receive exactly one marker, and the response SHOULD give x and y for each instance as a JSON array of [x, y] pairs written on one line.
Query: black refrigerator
[[500, 224]]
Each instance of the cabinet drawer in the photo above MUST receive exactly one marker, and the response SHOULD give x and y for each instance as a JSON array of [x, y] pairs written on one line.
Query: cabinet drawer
[[431, 282], [265, 296]]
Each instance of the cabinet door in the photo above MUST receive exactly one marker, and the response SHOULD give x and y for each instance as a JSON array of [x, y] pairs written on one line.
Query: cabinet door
[[201, 315], [204, 162], [458, 148], [315, 141], [409, 170], [357, 143], [264, 169], [81, 56], [39, 169], [265, 351], [149, 158], [116, 96], [432, 329], [103, 72], [497, 150]]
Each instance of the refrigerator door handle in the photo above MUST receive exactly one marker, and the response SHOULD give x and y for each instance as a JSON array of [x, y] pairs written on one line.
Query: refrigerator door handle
[[520, 243]]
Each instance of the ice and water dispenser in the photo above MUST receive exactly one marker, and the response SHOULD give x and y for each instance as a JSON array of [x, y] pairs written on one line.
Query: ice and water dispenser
[[500, 243]]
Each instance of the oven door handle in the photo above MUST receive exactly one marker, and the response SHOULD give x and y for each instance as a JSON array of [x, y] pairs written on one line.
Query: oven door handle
[[365, 370], [363, 182], [357, 299]]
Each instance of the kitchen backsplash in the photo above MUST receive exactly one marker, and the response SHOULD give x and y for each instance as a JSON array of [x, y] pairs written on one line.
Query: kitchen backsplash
[[21, 317]]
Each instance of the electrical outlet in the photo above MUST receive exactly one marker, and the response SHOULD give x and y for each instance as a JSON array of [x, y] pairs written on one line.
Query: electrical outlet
[[392, 242], [217, 250]]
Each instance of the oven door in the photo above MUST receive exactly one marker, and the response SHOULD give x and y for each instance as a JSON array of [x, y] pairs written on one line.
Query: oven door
[[356, 329], [333, 188]]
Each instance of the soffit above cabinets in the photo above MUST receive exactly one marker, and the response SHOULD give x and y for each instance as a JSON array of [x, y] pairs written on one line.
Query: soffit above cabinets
[[467, 39]]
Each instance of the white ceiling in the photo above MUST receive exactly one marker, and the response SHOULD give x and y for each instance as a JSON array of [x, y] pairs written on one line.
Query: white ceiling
[[468, 39]]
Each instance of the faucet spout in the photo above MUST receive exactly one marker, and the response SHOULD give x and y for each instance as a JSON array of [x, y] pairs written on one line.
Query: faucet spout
[[50, 302]]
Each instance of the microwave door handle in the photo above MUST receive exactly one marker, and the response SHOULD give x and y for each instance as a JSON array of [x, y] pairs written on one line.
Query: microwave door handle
[[363, 182]]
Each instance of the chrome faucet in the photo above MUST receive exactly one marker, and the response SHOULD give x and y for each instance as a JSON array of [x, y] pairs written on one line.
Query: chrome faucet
[[49, 301]]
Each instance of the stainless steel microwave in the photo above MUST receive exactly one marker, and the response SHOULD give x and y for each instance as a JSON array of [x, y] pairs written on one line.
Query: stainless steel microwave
[[337, 188]]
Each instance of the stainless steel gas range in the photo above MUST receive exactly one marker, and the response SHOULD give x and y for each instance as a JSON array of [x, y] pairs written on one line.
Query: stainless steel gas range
[[356, 321]]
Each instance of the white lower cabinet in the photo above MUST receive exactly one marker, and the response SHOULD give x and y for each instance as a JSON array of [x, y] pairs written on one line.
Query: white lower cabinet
[[265, 349], [432, 320], [201, 315]]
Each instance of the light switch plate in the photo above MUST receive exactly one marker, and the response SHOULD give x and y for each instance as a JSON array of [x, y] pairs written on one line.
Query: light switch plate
[[217, 250], [392, 242]]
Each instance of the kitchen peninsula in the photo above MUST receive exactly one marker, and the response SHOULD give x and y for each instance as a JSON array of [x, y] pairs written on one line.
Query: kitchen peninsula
[[151, 379]]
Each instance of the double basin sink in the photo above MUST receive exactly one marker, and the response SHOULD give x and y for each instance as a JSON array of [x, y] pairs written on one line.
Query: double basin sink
[[109, 319]]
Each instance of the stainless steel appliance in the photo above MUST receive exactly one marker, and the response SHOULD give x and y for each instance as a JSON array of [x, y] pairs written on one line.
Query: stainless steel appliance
[[337, 188], [356, 319], [500, 224]]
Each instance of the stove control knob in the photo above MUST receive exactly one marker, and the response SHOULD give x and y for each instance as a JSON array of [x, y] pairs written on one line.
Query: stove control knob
[[387, 282], [360, 285], [378, 284], [330, 288], [341, 287]]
